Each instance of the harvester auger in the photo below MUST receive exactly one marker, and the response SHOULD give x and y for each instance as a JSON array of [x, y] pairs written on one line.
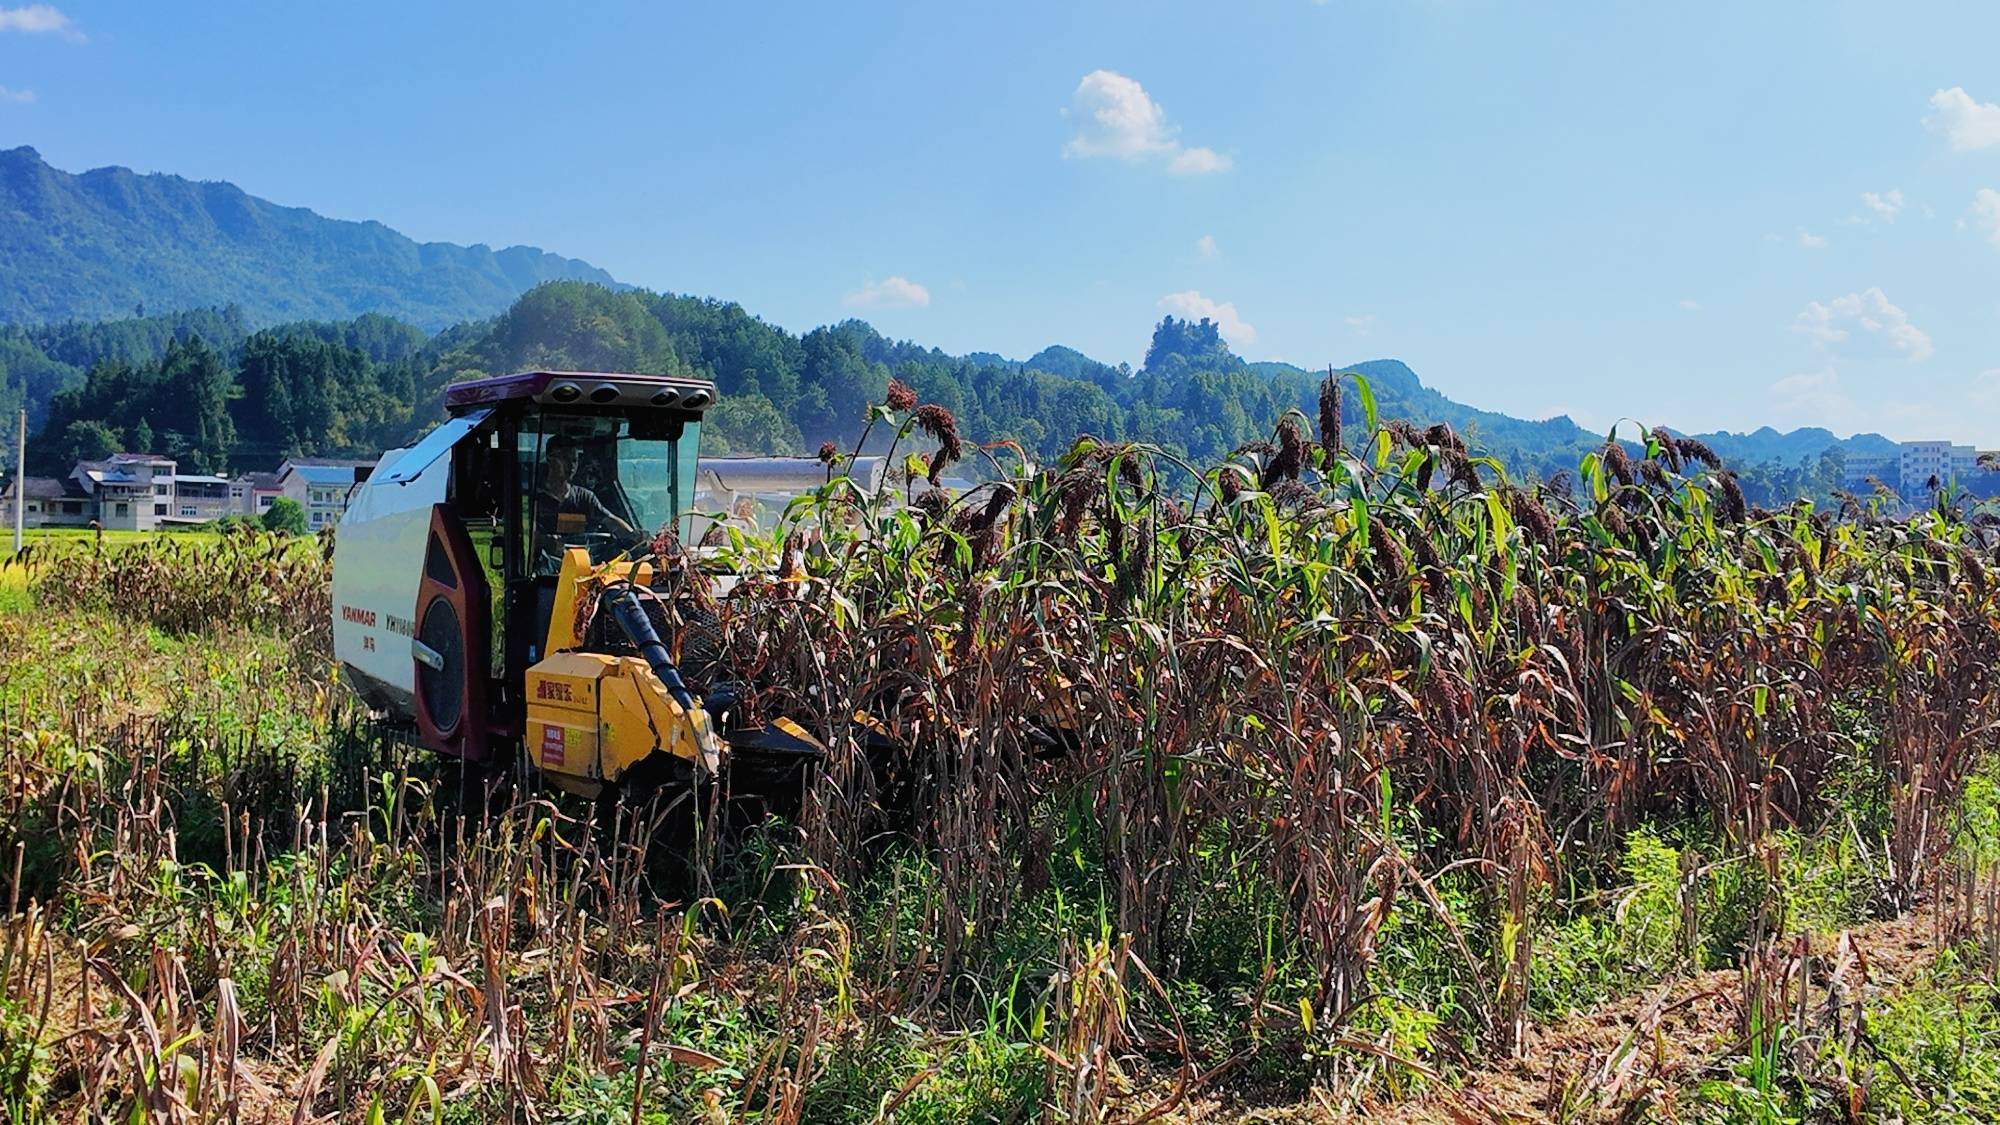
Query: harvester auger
[[498, 588]]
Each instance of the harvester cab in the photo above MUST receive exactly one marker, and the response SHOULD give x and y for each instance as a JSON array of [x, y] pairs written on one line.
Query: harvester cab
[[513, 582]]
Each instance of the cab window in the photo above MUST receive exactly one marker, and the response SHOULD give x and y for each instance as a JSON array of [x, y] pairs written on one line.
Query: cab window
[[604, 481]]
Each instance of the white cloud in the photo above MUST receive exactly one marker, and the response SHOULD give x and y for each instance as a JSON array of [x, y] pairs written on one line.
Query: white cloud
[[1819, 399], [1198, 161], [1361, 323], [1117, 118], [1986, 213], [1822, 398], [1815, 394], [1884, 325], [1689, 304], [1811, 241], [1969, 124], [1205, 246], [1886, 205], [890, 293], [7, 95], [1193, 306], [39, 19]]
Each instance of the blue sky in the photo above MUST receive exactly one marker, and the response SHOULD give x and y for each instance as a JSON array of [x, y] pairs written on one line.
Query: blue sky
[[1705, 216]]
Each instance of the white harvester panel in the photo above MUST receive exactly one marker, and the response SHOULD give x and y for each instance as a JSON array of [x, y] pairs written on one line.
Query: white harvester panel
[[379, 553]]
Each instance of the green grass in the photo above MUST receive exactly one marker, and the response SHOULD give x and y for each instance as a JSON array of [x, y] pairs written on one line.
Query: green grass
[[1942, 1033], [1927, 1050]]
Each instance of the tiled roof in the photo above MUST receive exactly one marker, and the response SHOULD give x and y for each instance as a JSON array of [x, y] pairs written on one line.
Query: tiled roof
[[41, 488]]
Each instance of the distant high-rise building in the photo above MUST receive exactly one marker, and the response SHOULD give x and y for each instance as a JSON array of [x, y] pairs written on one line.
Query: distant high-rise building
[[1922, 460], [1910, 468]]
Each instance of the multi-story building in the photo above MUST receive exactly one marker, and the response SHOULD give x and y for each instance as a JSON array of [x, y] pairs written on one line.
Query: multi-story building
[[200, 498], [1910, 468], [1920, 461], [1861, 468], [251, 495], [133, 491], [321, 485]]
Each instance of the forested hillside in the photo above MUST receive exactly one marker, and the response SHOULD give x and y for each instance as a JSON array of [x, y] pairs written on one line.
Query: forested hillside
[[207, 388], [314, 335], [111, 243]]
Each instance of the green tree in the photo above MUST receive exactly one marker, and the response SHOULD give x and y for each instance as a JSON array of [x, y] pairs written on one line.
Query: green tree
[[572, 325], [190, 394], [842, 383], [84, 441], [1196, 344], [286, 516], [748, 423]]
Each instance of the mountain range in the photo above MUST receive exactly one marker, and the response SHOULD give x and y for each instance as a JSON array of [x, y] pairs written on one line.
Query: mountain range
[[153, 251], [111, 243]]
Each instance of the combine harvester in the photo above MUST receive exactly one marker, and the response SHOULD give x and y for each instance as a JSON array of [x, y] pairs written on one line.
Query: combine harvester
[[495, 588]]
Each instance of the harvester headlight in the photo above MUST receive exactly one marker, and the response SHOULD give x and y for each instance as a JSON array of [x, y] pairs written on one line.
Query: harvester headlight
[[666, 396], [565, 392], [604, 393], [696, 400]]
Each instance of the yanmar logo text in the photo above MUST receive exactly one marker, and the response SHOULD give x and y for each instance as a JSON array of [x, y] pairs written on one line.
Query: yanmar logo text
[[551, 689]]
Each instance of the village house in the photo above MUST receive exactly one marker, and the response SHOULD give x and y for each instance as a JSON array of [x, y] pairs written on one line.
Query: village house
[[252, 494], [321, 485], [144, 492], [132, 491], [52, 503]]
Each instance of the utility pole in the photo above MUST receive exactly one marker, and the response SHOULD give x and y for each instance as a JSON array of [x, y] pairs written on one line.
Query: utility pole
[[20, 472]]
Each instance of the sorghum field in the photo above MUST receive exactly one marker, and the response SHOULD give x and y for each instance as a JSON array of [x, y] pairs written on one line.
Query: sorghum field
[[1345, 780]]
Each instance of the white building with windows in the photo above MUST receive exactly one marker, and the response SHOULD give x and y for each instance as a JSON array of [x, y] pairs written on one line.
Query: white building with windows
[[1919, 461], [1910, 468], [321, 485], [132, 491], [1860, 468]]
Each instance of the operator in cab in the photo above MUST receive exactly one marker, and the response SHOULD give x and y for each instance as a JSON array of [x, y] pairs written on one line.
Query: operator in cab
[[565, 512]]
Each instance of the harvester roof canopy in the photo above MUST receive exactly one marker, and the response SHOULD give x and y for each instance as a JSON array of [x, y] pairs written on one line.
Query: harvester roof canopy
[[583, 388]]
